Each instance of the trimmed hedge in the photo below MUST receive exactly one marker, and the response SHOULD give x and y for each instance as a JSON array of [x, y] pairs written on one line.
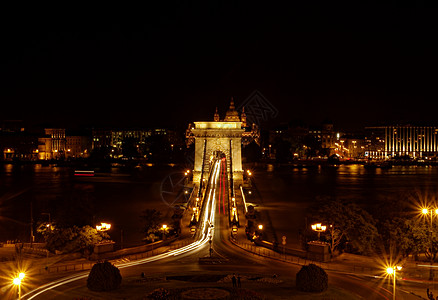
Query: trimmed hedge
[[104, 276], [312, 278]]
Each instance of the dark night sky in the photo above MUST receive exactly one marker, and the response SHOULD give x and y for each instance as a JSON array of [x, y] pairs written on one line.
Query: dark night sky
[[172, 64]]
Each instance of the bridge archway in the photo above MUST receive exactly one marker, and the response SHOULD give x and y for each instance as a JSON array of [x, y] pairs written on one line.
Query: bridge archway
[[213, 138]]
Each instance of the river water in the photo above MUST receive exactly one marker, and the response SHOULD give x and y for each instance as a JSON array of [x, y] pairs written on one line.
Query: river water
[[288, 193], [119, 197]]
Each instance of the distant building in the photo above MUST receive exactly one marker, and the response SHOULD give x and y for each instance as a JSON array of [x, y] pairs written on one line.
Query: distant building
[[44, 148], [101, 138], [17, 143], [351, 147], [404, 140], [329, 138], [77, 146], [56, 144], [52, 145], [18, 146], [113, 139]]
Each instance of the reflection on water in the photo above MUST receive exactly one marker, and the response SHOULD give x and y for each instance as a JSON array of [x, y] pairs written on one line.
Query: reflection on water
[[118, 197], [288, 192]]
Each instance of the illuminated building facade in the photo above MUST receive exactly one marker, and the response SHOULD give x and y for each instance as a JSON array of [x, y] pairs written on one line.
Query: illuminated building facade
[[56, 144], [52, 145], [405, 140]]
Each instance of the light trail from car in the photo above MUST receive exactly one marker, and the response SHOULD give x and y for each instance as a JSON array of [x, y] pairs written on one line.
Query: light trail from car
[[206, 230]]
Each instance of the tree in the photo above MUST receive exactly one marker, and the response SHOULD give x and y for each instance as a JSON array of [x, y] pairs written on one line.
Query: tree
[[335, 237], [419, 237], [349, 221], [74, 239], [151, 219]]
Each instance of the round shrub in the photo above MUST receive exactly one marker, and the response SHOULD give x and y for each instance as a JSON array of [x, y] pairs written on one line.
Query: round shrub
[[312, 278], [104, 276]]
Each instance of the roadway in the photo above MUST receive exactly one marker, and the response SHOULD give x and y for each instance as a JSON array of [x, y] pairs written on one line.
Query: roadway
[[231, 259]]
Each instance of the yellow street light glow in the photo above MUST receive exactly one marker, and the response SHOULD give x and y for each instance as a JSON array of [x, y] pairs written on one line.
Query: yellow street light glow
[[319, 227], [103, 227], [424, 211], [260, 226], [21, 275], [17, 281], [391, 271], [164, 226]]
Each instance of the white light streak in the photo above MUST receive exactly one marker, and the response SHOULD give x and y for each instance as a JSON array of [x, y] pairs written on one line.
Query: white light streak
[[205, 229]]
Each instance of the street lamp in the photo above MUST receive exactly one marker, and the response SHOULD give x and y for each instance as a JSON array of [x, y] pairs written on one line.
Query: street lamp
[[17, 281], [432, 212], [164, 228], [319, 228], [392, 271]]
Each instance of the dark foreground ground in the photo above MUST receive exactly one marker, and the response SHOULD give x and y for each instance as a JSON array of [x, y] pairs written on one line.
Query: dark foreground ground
[[211, 285]]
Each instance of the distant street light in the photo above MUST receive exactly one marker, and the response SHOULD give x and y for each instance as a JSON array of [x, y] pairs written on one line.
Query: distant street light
[[392, 271], [319, 228]]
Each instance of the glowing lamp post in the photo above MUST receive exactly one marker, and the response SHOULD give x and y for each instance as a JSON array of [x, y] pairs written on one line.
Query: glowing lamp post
[[432, 212], [17, 281], [392, 271], [319, 228], [248, 172], [164, 228]]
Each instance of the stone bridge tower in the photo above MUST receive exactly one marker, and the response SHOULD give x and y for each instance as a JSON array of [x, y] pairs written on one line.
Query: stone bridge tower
[[219, 137]]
